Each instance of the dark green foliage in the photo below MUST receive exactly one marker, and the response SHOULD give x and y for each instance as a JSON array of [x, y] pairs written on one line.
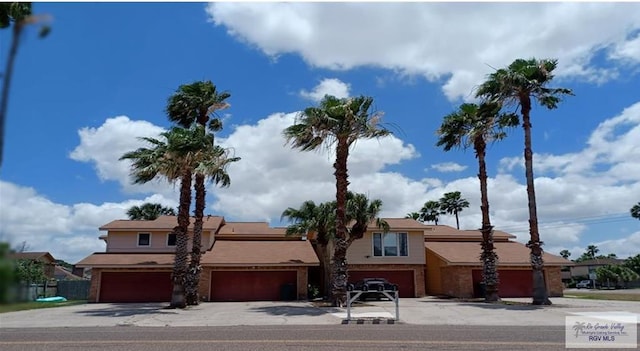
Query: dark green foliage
[[13, 12], [30, 271], [149, 211], [635, 211]]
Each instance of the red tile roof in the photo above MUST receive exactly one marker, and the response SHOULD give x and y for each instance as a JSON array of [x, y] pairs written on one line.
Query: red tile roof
[[260, 253], [509, 254], [447, 233], [103, 260], [162, 222]]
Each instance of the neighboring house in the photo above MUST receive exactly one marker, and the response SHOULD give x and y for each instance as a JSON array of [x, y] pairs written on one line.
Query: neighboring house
[[44, 257], [584, 268], [241, 262], [62, 273], [453, 266]]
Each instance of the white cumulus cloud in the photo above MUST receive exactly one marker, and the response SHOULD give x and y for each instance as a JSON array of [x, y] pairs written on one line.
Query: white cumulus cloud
[[448, 167], [328, 86], [455, 44]]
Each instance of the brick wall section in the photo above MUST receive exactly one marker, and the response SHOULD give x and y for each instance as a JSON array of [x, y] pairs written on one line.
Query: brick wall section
[[205, 284], [553, 279], [457, 281], [95, 285], [303, 277], [418, 273]]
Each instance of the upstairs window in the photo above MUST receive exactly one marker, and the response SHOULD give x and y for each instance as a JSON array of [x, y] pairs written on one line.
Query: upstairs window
[[144, 239], [390, 244], [171, 239]]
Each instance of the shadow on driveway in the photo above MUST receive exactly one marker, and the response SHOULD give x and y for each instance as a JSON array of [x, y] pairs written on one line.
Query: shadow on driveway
[[287, 310], [126, 310]]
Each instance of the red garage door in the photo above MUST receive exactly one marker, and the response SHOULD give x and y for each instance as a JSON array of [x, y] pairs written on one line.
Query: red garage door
[[404, 279], [513, 283], [135, 287], [253, 285]]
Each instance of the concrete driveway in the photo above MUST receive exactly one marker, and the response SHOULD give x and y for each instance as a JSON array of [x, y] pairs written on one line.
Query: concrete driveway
[[421, 311]]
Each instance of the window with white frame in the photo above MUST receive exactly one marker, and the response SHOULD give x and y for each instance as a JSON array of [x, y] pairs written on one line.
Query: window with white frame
[[390, 244], [144, 239], [171, 239]]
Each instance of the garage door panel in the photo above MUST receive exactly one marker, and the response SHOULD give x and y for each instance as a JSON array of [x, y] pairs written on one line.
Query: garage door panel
[[251, 285], [404, 279], [135, 287]]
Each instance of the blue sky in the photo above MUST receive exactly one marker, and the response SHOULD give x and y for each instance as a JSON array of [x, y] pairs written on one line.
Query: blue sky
[[83, 95]]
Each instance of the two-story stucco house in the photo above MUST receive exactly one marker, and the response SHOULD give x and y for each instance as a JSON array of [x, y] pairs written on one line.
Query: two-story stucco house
[[246, 261]]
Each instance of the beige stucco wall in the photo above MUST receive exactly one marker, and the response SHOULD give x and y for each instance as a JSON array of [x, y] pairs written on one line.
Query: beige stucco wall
[[433, 274], [361, 251], [121, 241]]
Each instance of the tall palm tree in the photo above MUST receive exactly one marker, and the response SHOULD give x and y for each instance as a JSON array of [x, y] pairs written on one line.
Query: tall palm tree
[[475, 126], [211, 163], [516, 85], [149, 211], [171, 157], [196, 103], [453, 203], [430, 212], [339, 122], [635, 211], [20, 14], [320, 220], [592, 250]]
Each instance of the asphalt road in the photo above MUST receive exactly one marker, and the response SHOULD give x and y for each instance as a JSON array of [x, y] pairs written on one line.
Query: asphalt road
[[294, 338]]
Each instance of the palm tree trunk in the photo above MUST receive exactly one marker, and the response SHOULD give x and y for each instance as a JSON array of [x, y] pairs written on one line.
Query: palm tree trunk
[[339, 267], [457, 221], [8, 73], [193, 275], [540, 295], [325, 265], [180, 263], [488, 255]]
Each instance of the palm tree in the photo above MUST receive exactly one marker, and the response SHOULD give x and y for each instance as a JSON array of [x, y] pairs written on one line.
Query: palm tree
[[516, 85], [320, 220], [192, 104], [172, 158], [211, 163], [565, 254], [592, 250], [635, 211], [341, 122], [18, 13], [413, 215], [360, 212], [453, 203], [474, 125], [430, 212], [149, 212]]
